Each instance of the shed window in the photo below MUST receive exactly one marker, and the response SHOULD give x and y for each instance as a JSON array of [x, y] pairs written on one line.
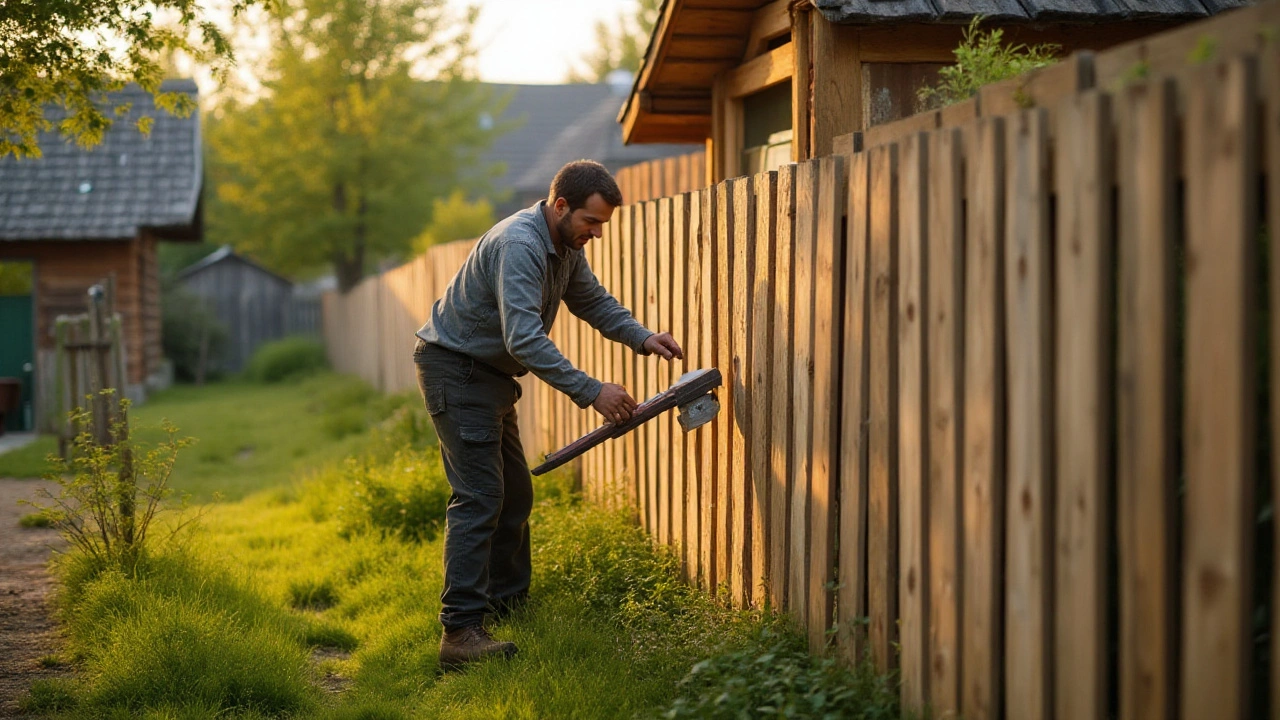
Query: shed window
[[766, 135], [889, 90]]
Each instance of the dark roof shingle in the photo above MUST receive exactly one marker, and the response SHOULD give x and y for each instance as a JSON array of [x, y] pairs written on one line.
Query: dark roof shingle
[[876, 11], [129, 181]]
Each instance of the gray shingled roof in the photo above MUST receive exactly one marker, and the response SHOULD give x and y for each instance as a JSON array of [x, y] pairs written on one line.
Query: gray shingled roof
[[128, 182], [875, 11], [558, 124]]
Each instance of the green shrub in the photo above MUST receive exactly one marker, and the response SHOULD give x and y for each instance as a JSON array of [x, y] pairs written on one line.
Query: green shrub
[[109, 495], [186, 322], [405, 497], [981, 59], [777, 677], [286, 359]]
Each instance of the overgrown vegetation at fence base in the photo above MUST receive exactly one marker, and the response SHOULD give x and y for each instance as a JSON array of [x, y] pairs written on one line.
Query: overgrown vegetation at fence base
[[286, 359], [981, 59], [274, 600]]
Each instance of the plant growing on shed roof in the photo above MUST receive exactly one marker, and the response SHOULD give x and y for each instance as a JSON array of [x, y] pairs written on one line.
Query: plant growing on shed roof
[[981, 59]]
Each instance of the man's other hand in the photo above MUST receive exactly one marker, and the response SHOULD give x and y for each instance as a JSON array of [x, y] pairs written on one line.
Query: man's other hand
[[664, 346], [614, 403]]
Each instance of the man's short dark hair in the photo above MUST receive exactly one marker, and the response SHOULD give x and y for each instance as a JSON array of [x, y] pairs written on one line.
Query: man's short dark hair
[[579, 180]]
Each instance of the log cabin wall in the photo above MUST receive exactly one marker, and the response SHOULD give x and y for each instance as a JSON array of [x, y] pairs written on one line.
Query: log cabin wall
[[65, 270]]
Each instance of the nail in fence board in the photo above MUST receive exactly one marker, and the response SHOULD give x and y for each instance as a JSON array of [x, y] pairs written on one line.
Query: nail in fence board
[[1085, 259], [802, 384], [1145, 481], [944, 306], [739, 385], [852, 603], [827, 326], [913, 448], [780, 431], [762, 335], [983, 432], [1218, 443], [882, 428]]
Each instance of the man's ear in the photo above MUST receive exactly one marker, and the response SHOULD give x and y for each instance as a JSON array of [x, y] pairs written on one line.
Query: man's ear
[[561, 206]]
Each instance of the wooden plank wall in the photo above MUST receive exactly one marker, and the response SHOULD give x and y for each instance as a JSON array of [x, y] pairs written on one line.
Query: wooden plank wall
[[996, 404]]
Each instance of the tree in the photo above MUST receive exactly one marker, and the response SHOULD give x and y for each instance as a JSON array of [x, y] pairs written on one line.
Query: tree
[[338, 162], [620, 46], [71, 52], [455, 218]]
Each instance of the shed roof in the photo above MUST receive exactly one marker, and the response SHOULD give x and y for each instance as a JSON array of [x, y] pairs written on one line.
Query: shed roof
[[876, 11], [223, 255], [694, 41], [128, 182]]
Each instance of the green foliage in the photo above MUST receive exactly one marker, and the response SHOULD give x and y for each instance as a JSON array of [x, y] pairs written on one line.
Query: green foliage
[[369, 112], [30, 460], [109, 494], [188, 330], [455, 218], [49, 696], [70, 53], [175, 633], [173, 257], [775, 676], [981, 59], [312, 594], [329, 635], [405, 498], [15, 278], [620, 45], [286, 359], [36, 520]]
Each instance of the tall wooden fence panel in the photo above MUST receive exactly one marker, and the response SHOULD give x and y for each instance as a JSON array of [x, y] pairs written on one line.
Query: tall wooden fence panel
[[997, 407], [664, 177]]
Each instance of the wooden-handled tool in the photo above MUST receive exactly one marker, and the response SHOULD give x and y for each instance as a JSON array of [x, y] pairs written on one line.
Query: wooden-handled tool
[[692, 393]]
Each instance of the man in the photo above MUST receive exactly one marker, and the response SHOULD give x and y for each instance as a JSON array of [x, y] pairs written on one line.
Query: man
[[490, 326]]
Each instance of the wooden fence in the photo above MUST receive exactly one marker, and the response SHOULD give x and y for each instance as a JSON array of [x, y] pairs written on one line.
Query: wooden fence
[[663, 177], [996, 401]]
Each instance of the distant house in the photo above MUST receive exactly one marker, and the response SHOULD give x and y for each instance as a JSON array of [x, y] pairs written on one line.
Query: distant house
[[78, 216], [253, 303], [558, 124]]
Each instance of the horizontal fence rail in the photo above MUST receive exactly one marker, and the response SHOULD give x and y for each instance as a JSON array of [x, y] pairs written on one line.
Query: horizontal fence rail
[[996, 409]]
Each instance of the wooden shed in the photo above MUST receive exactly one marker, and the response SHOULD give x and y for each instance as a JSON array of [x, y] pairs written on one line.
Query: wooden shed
[[764, 82], [254, 304], [80, 216]]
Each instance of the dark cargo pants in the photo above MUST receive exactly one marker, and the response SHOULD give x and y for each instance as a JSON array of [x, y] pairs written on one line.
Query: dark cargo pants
[[486, 541]]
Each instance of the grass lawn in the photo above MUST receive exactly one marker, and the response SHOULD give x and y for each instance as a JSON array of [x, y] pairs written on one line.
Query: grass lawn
[[313, 592], [249, 436]]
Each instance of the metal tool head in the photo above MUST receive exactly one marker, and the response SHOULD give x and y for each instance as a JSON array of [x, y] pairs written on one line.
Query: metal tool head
[[698, 412]]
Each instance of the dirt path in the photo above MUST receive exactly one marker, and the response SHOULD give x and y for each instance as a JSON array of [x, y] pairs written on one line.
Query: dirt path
[[27, 632]]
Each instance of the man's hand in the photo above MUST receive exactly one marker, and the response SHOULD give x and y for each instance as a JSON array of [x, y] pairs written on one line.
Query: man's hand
[[664, 346], [614, 403]]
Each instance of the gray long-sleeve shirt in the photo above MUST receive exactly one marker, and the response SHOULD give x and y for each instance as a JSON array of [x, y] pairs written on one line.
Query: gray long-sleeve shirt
[[500, 306]]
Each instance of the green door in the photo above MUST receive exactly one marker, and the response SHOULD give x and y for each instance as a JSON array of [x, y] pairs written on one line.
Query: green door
[[17, 354]]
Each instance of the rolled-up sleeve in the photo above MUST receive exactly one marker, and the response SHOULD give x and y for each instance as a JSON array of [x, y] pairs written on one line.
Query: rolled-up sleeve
[[587, 298], [519, 275]]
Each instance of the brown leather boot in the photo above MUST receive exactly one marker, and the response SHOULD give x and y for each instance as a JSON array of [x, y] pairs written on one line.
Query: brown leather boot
[[468, 644]]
